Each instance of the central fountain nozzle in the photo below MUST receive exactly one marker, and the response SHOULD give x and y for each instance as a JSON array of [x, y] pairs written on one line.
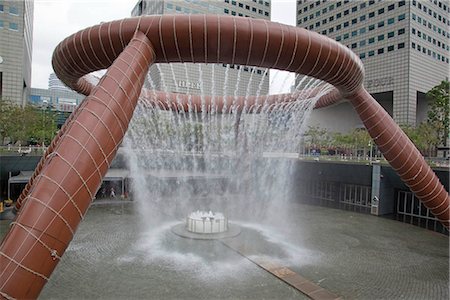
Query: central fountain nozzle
[[206, 222]]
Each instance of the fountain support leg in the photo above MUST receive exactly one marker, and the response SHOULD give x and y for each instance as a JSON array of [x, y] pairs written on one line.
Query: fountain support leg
[[402, 155], [65, 186]]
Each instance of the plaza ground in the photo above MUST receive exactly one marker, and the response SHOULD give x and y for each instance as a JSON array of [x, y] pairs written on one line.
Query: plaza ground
[[353, 255]]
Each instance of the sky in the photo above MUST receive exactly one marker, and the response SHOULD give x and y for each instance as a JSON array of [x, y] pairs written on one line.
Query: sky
[[55, 20]]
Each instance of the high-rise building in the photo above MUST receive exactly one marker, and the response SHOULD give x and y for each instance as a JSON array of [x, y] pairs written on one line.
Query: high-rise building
[[207, 78], [54, 84], [404, 46], [16, 38]]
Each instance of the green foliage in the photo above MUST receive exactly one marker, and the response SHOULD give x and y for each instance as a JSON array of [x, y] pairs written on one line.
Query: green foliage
[[424, 137], [439, 111], [28, 124]]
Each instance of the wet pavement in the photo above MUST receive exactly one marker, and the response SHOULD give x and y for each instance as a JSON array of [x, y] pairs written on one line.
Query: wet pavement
[[352, 255]]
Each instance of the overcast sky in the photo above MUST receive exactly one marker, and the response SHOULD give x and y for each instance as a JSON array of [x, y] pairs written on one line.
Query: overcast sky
[[54, 20]]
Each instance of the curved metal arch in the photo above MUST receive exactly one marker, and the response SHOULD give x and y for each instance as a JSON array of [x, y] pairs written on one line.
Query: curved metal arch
[[73, 167]]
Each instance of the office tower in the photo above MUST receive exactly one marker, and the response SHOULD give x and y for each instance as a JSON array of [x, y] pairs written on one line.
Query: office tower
[[16, 39], [208, 78], [404, 46]]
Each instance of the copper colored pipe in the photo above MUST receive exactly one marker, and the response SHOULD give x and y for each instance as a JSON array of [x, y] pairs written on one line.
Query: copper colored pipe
[[71, 174], [63, 190]]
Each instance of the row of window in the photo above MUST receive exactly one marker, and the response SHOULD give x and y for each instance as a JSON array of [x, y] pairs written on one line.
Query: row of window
[[432, 13], [11, 26], [336, 4], [362, 30], [428, 38], [441, 5], [430, 53], [430, 26], [347, 11], [12, 10], [380, 51], [362, 18], [185, 10], [233, 13], [249, 8], [240, 4], [371, 40], [246, 69]]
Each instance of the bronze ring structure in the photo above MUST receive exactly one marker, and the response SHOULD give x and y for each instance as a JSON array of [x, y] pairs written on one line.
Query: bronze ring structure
[[71, 171]]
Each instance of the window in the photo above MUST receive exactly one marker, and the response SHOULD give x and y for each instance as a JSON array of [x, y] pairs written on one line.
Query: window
[[401, 3], [381, 11], [362, 18], [401, 46], [1, 23], [338, 38], [354, 21], [362, 55], [331, 18], [170, 6], [338, 27], [362, 30], [413, 45], [401, 17], [371, 40], [346, 12], [371, 14], [371, 27], [381, 37], [338, 15], [338, 4], [13, 10], [380, 51], [371, 2], [324, 10], [362, 43], [1, 8], [317, 13], [13, 26], [390, 34], [345, 36], [233, 3], [354, 8], [371, 53], [233, 13], [330, 30], [331, 7], [353, 46], [414, 17], [380, 24], [241, 5], [354, 33], [324, 21], [362, 5], [391, 7], [413, 30], [401, 31], [391, 48], [391, 21], [346, 24]]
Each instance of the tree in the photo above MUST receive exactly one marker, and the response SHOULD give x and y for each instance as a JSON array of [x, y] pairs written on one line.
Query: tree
[[26, 124], [423, 136], [439, 111]]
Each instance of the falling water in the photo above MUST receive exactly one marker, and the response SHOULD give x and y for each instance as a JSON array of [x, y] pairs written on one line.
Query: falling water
[[239, 163]]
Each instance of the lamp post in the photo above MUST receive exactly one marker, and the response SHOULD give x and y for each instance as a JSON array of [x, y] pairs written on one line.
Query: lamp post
[[370, 153], [44, 105]]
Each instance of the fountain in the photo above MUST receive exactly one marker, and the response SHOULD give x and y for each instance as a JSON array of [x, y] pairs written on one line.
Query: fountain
[[67, 178]]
